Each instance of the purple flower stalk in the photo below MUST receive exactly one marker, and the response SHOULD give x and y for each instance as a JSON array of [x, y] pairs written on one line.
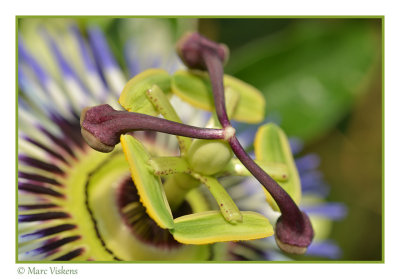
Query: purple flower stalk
[[101, 127], [293, 232], [198, 52]]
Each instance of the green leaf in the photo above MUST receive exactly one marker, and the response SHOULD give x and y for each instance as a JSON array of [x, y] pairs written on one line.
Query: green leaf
[[133, 97], [272, 145], [210, 226], [149, 185], [194, 87], [312, 71]]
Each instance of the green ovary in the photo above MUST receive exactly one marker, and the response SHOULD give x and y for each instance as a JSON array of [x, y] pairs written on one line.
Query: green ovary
[[209, 156]]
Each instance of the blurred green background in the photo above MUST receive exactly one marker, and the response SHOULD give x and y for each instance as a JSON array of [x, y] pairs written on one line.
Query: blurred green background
[[322, 79]]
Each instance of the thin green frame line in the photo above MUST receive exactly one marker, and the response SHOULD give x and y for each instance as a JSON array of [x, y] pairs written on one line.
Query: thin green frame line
[[202, 262], [16, 139], [202, 16], [383, 139]]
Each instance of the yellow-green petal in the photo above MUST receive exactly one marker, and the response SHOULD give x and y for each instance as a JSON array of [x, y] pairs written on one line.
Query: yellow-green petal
[[210, 227], [272, 145], [133, 96], [194, 87], [149, 185]]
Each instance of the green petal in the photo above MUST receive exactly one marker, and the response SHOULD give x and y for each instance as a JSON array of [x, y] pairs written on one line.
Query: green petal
[[147, 183], [272, 145], [194, 87], [133, 96], [211, 226]]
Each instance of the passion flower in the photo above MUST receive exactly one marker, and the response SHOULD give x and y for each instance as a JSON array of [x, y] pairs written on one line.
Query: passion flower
[[78, 204]]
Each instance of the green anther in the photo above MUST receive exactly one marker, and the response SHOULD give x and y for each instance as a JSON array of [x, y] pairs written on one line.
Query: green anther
[[169, 165], [226, 205], [210, 227], [278, 171], [161, 104]]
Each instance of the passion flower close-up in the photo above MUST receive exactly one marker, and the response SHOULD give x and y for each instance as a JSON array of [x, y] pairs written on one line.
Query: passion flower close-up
[[134, 144]]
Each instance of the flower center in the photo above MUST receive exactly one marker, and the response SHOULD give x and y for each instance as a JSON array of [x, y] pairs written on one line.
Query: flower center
[[102, 198], [135, 216]]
